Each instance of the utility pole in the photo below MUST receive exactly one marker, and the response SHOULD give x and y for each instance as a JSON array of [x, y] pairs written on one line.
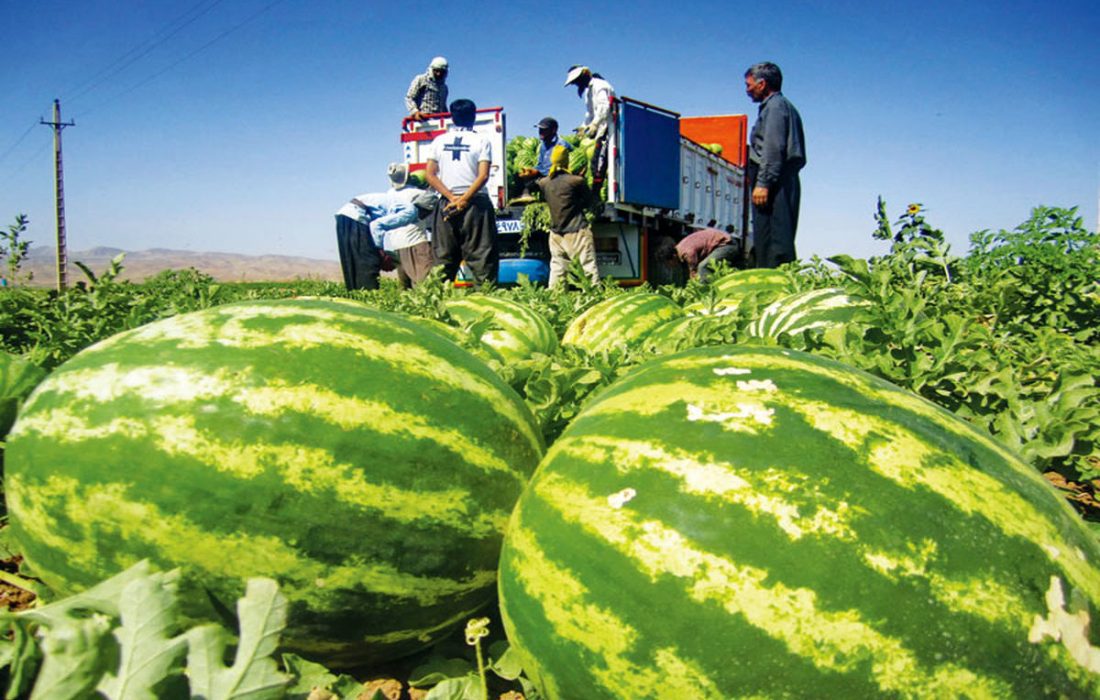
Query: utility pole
[[59, 188]]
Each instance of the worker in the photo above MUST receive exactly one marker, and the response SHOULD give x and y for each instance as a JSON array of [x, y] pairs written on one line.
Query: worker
[[427, 92], [464, 224], [568, 198], [598, 96], [548, 139], [701, 250], [361, 227], [406, 235], [777, 152]]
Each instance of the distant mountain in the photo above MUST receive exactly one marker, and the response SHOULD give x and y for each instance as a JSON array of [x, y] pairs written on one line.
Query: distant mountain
[[141, 264]]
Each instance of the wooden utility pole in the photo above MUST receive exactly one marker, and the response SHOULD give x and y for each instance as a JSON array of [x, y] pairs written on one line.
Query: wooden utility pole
[[59, 189]]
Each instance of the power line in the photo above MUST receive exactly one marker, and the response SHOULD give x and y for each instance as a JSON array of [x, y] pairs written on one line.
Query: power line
[[18, 141], [145, 48], [188, 56]]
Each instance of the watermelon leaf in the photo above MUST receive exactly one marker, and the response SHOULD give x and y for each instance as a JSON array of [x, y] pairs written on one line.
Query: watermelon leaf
[[77, 654], [253, 675], [149, 658], [310, 677]]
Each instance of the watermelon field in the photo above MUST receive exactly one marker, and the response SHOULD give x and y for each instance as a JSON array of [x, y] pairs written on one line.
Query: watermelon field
[[842, 478]]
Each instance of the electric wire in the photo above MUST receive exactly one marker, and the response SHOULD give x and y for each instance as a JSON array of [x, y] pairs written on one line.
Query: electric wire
[[184, 58], [143, 49]]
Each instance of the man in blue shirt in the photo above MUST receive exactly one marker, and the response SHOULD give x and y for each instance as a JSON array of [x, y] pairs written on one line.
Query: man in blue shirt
[[548, 138], [777, 152]]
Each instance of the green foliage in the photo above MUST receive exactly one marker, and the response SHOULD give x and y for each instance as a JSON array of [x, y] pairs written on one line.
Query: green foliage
[[13, 249], [119, 641], [1043, 274]]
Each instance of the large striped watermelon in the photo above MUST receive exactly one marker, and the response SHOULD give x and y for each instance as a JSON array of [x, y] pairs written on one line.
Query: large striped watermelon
[[620, 321], [366, 463], [518, 330], [763, 282], [758, 522], [815, 308]]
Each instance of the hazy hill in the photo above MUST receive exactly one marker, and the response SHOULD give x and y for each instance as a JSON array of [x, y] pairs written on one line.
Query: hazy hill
[[140, 264]]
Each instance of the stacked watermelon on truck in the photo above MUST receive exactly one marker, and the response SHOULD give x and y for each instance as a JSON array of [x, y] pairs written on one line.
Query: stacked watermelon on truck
[[667, 174]]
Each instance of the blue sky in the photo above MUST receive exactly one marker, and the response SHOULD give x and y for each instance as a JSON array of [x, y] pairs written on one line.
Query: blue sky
[[244, 129]]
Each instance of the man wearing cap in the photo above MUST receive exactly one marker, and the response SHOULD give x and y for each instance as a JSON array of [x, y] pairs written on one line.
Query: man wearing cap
[[427, 93], [363, 224], [464, 226], [548, 139], [777, 152], [405, 234], [598, 96], [568, 198]]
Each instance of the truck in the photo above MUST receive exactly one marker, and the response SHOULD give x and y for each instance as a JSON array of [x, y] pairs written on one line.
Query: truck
[[667, 175]]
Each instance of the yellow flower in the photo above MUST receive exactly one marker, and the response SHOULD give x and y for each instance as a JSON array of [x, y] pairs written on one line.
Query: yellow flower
[[476, 628], [914, 209]]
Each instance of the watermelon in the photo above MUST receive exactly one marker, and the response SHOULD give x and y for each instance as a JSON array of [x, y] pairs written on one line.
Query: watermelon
[[517, 331], [745, 521], [366, 463], [816, 308], [620, 321], [681, 333], [763, 282]]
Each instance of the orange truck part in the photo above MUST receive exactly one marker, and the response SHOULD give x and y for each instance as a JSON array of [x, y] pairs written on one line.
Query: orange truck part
[[728, 130]]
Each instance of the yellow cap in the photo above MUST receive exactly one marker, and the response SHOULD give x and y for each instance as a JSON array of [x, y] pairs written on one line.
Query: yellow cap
[[559, 158]]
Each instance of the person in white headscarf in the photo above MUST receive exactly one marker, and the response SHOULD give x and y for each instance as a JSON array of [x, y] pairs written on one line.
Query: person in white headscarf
[[427, 93]]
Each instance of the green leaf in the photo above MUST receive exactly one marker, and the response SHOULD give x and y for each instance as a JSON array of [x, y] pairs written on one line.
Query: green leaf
[[466, 688], [75, 658], [253, 675], [309, 676], [17, 378], [506, 661], [150, 659], [438, 669]]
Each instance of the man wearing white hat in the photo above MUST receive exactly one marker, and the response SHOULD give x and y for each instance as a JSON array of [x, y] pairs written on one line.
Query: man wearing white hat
[[374, 222], [598, 96], [427, 93], [407, 236]]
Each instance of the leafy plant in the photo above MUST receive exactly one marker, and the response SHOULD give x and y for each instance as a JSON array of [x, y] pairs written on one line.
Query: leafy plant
[[13, 249], [118, 640]]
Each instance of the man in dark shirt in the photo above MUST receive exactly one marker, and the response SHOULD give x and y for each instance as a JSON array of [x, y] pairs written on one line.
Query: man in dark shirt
[[777, 152], [568, 197]]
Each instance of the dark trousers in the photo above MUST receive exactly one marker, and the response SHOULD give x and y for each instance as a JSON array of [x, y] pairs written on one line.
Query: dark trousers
[[360, 259], [729, 253], [470, 236], [774, 225]]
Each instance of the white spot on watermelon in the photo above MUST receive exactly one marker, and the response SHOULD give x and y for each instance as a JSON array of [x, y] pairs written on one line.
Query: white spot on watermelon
[[726, 371], [1069, 628], [765, 385], [1053, 551], [733, 420], [620, 499]]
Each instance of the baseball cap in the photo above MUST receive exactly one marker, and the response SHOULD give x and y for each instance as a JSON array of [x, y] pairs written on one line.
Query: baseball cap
[[547, 123]]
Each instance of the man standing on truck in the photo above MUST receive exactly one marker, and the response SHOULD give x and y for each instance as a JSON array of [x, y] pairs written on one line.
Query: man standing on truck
[[568, 198], [548, 139], [464, 225], [777, 152], [598, 95], [427, 93]]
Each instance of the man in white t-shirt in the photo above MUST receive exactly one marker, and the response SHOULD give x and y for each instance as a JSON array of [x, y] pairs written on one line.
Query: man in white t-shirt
[[464, 225]]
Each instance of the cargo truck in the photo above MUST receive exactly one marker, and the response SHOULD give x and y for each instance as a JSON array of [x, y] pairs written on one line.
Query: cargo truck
[[662, 182]]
